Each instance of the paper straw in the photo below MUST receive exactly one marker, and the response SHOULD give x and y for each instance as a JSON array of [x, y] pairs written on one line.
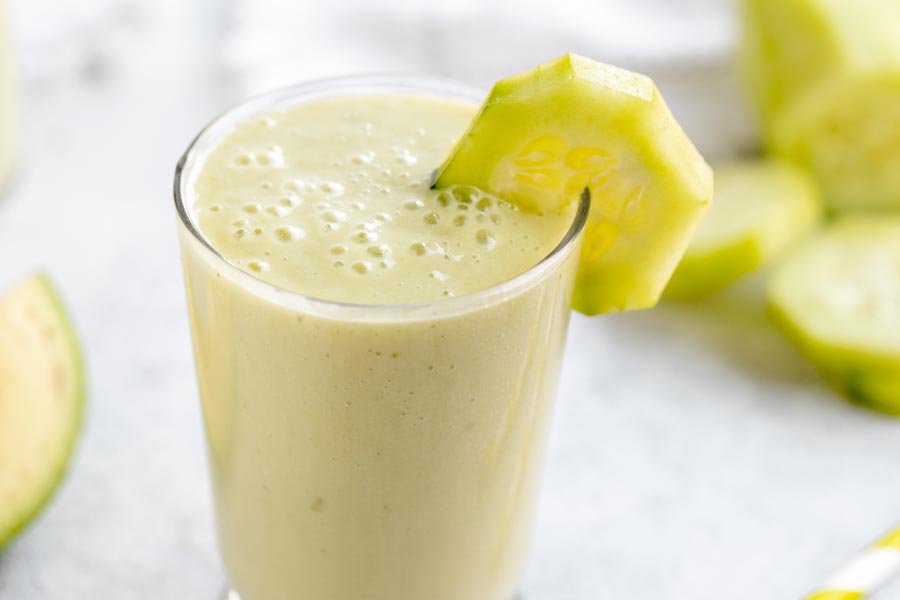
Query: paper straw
[[865, 574]]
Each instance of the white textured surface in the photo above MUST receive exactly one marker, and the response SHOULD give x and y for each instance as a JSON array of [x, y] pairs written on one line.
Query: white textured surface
[[694, 456]]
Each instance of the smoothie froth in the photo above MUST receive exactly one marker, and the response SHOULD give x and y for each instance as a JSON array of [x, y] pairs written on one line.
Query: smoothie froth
[[331, 199]]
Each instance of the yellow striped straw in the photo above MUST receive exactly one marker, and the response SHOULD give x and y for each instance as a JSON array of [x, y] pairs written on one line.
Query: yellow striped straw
[[865, 574]]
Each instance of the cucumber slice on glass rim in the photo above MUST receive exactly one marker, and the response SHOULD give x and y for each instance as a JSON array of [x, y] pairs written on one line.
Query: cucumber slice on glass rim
[[545, 136]]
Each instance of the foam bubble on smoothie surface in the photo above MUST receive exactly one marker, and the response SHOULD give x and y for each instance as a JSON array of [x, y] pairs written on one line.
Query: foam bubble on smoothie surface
[[331, 199]]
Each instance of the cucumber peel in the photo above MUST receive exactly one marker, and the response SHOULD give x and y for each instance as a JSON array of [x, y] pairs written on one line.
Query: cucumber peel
[[542, 137], [837, 298], [41, 401], [761, 208]]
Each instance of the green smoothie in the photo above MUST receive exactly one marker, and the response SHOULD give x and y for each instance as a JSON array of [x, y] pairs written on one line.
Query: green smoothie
[[377, 360]]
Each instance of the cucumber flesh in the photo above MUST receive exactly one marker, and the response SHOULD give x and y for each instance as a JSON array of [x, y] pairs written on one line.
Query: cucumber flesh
[[41, 401], [848, 135], [787, 46]]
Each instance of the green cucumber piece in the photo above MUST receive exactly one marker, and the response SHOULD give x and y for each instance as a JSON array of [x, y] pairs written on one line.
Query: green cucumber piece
[[41, 401], [837, 298], [825, 78], [847, 133], [761, 208], [544, 136]]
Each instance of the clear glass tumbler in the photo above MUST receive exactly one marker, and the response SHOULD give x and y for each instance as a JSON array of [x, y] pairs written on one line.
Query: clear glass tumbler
[[387, 452]]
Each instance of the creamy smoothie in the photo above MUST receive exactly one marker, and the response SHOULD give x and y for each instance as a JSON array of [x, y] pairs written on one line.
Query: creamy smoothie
[[7, 98], [377, 360]]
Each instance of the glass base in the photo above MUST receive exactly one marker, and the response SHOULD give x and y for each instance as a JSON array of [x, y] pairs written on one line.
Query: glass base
[[233, 595]]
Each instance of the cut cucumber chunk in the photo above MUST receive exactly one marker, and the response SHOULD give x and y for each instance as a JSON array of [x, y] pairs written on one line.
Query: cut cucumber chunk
[[761, 208], [837, 297], [41, 401], [787, 47], [541, 138], [825, 77], [848, 135]]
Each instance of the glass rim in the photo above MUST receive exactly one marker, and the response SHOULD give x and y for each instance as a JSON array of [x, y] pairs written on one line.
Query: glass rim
[[192, 159]]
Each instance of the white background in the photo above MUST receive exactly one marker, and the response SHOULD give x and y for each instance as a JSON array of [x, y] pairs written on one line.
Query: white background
[[694, 456]]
